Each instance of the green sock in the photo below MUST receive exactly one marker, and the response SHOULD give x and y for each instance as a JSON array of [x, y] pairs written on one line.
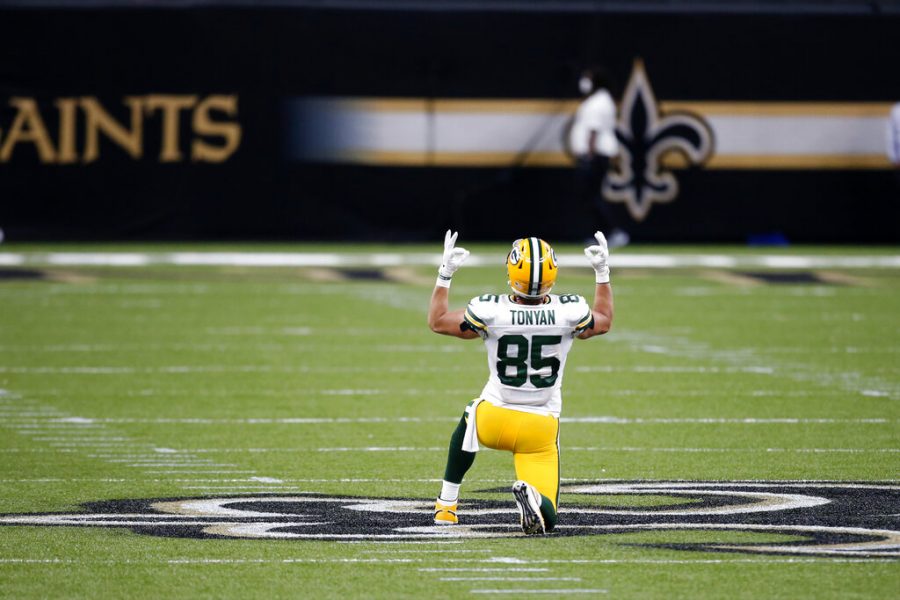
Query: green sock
[[550, 516], [458, 461]]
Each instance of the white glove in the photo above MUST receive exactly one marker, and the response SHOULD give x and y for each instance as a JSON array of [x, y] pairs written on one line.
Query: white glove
[[598, 255], [452, 260]]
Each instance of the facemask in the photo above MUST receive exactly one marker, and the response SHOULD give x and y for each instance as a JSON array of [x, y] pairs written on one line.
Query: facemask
[[585, 85]]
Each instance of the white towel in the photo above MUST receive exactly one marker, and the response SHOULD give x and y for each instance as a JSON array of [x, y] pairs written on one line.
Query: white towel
[[470, 439]]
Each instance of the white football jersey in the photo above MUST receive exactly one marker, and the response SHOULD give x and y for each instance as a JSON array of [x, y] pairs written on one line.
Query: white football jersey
[[527, 347]]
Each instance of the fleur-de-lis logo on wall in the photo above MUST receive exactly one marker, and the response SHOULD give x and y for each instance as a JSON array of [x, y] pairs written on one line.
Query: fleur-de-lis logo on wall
[[645, 135]]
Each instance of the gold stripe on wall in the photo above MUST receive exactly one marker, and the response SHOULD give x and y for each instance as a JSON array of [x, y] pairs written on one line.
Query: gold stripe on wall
[[779, 109], [546, 105], [672, 160]]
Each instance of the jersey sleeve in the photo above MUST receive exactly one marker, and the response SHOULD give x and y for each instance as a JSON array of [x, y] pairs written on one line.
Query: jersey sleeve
[[480, 313], [581, 315]]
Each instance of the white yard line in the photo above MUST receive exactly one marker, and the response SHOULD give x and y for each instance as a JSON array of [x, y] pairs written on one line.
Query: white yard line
[[484, 570], [516, 579], [727, 450], [812, 483], [269, 420], [242, 487], [421, 551], [376, 561], [401, 542], [190, 464], [33, 424], [388, 259], [193, 369], [184, 466], [723, 421], [188, 471], [526, 591], [566, 448]]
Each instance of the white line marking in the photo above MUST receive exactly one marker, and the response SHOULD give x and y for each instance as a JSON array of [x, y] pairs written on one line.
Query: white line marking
[[187, 466], [799, 483], [420, 551], [245, 493], [396, 542], [541, 591], [267, 479], [484, 570], [43, 561], [183, 472], [517, 579], [587, 419], [567, 448], [721, 421], [385, 259], [150, 461], [740, 450], [76, 438], [92, 445], [378, 449], [669, 369], [240, 561], [55, 427], [75, 420], [225, 488], [277, 421]]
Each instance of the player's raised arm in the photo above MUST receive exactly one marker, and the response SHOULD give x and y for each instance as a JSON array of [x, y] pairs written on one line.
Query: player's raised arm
[[602, 310], [440, 318]]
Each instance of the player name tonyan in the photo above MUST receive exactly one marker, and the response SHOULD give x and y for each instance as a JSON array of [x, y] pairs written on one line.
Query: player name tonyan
[[532, 317]]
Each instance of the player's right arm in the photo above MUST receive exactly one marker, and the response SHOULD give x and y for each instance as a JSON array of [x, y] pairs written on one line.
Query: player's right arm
[[440, 318], [445, 321]]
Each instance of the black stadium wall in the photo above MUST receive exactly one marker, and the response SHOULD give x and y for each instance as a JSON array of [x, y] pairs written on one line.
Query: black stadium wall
[[287, 122]]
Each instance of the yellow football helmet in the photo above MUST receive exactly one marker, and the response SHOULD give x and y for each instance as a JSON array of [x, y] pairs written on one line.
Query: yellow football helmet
[[532, 268]]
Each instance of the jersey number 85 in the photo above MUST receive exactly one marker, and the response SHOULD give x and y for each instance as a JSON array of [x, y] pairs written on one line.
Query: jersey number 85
[[519, 361]]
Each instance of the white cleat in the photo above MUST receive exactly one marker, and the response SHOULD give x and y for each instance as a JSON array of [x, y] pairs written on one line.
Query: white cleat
[[528, 501]]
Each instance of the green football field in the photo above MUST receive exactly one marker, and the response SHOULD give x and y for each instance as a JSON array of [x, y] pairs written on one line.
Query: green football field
[[172, 426]]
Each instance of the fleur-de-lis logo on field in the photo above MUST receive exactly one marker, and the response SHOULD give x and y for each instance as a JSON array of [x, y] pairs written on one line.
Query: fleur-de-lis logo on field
[[645, 136]]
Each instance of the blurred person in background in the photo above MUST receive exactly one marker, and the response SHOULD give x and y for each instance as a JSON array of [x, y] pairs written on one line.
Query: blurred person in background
[[893, 140], [593, 142]]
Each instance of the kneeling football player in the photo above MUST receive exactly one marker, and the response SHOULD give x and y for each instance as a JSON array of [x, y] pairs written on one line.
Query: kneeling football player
[[528, 334]]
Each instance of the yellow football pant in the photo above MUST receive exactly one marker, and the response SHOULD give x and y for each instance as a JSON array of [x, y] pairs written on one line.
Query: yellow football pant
[[533, 440]]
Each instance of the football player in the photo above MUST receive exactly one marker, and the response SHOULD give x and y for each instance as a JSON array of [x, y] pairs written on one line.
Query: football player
[[528, 334]]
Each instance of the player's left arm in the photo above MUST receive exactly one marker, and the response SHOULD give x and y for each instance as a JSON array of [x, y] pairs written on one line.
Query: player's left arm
[[602, 310], [440, 318]]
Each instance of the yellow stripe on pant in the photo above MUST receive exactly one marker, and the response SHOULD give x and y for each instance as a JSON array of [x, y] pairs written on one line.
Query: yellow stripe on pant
[[533, 439]]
